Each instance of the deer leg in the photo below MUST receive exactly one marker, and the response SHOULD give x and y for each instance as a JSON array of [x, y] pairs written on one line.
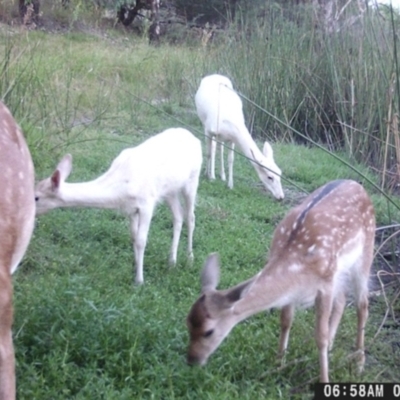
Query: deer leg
[[223, 176], [287, 314], [231, 157], [140, 224], [134, 224], [323, 306], [208, 153], [211, 148], [360, 283], [7, 363], [189, 194], [176, 209], [339, 304], [362, 316]]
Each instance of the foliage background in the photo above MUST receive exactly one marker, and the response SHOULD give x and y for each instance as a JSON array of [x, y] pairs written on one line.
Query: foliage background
[[80, 83]]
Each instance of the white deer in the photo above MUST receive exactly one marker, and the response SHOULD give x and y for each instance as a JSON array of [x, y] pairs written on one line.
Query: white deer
[[17, 215], [220, 110], [320, 251], [162, 168]]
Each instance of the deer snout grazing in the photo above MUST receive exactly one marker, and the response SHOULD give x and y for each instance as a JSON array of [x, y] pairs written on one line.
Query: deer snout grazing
[[194, 359], [279, 196]]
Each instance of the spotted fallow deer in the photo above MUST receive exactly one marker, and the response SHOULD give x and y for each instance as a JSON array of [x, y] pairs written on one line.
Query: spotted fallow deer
[[321, 251], [17, 213]]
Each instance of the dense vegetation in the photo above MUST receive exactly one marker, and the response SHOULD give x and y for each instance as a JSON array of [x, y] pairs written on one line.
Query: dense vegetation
[[81, 329]]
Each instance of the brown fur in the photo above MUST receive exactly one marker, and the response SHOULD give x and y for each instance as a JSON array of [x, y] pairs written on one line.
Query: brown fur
[[321, 251], [17, 210]]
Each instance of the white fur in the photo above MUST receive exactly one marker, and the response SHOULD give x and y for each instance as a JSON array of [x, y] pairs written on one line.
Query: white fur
[[162, 168], [220, 110]]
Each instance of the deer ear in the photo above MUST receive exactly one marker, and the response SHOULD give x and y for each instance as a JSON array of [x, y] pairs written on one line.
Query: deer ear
[[255, 158], [239, 291], [55, 180], [225, 299], [210, 273], [65, 167], [267, 150]]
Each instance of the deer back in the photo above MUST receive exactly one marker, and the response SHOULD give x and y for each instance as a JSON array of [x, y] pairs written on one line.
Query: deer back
[[331, 223]]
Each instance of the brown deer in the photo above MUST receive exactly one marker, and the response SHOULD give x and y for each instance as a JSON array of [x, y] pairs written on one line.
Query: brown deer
[[320, 251], [17, 213]]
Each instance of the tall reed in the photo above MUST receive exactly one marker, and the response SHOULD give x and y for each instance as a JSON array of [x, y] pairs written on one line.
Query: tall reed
[[334, 87]]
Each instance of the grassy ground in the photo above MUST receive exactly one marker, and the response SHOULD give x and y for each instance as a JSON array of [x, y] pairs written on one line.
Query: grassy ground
[[82, 330]]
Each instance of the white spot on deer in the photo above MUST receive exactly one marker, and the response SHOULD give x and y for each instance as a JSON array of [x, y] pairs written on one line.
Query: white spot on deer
[[295, 267], [311, 249]]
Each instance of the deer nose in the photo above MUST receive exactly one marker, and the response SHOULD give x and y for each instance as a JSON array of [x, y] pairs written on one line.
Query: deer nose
[[192, 360], [280, 196]]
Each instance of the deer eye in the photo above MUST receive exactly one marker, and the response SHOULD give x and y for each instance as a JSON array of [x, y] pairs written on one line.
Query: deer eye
[[36, 198], [208, 333], [271, 178]]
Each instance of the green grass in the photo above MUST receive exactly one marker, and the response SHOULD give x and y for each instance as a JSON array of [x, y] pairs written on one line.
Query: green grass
[[82, 330]]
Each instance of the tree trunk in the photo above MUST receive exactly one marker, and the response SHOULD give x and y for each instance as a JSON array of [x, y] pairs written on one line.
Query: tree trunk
[[154, 30], [29, 11], [126, 13]]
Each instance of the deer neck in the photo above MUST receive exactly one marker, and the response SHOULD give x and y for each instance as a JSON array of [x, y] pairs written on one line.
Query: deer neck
[[248, 146], [271, 289], [97, 194]]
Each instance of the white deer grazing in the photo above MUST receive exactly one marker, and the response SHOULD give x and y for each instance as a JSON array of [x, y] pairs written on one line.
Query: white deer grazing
[[17, 215], [321, 251], [162, 168], [220, 110]]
